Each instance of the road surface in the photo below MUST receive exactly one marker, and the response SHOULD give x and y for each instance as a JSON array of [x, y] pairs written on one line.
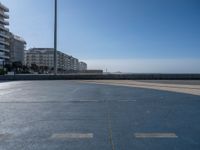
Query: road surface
[[73, 115]]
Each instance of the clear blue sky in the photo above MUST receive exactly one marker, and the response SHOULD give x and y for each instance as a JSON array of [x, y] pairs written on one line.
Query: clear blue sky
[[105, 32]]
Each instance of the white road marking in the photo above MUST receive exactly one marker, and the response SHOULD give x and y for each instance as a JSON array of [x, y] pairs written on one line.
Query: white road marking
[[155, 135], [126, 100], [4, 136], [86, 101], [67, 136], [102, 101]]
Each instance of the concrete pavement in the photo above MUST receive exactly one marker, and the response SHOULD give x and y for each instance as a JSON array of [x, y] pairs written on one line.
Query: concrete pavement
[[69, 115]]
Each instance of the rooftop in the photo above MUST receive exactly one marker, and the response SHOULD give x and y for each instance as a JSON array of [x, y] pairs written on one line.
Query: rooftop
[[16, 37]]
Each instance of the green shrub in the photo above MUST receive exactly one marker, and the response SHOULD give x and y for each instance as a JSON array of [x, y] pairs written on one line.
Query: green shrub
[[2, 72]]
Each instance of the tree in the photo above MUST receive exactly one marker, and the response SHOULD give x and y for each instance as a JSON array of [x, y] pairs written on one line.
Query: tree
[[8, 67], [17, 66], [34, 67]]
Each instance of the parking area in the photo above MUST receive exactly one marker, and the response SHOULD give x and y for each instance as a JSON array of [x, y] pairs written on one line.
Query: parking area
[[74, 115]]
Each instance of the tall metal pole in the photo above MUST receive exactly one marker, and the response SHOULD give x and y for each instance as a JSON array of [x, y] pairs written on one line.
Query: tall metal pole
[[55, 39]]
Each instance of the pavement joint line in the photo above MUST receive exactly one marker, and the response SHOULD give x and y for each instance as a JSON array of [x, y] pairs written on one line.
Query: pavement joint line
[[68, 136], [155, 135], [110, 128]]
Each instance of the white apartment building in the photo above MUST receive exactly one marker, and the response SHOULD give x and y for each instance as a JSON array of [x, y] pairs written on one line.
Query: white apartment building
[[44, 57], [82, 66], [17, 47], [4, 36]]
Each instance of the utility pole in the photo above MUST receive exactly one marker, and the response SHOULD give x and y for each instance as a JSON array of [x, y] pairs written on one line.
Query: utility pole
[[55, 39]]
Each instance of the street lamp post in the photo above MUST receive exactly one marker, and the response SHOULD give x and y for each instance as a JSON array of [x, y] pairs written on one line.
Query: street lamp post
[[55, 39]]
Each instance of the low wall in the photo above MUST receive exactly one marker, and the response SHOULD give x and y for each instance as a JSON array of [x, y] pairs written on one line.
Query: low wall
[[105, 77]]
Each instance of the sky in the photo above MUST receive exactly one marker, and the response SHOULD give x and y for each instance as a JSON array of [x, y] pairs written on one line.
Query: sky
[[139, 36]]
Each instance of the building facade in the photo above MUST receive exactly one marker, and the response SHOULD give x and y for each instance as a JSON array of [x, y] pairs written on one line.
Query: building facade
[[82, 66], [4, 36], [17, 47], [44, 57], [74, 64], [40, 57]]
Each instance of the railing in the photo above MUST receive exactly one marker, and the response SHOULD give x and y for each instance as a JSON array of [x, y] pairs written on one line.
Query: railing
[[4, 15], [105, 77], [4, 28], [5, 57], [4, 21], [4, 50], [4, 35], [3, 42]]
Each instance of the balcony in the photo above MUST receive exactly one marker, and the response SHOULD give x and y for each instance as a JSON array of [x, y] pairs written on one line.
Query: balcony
[[4, 15], [4, 22], [4, 7], [4, 35], [4, 50], [4, 28], [5, 43], [4, 57]]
